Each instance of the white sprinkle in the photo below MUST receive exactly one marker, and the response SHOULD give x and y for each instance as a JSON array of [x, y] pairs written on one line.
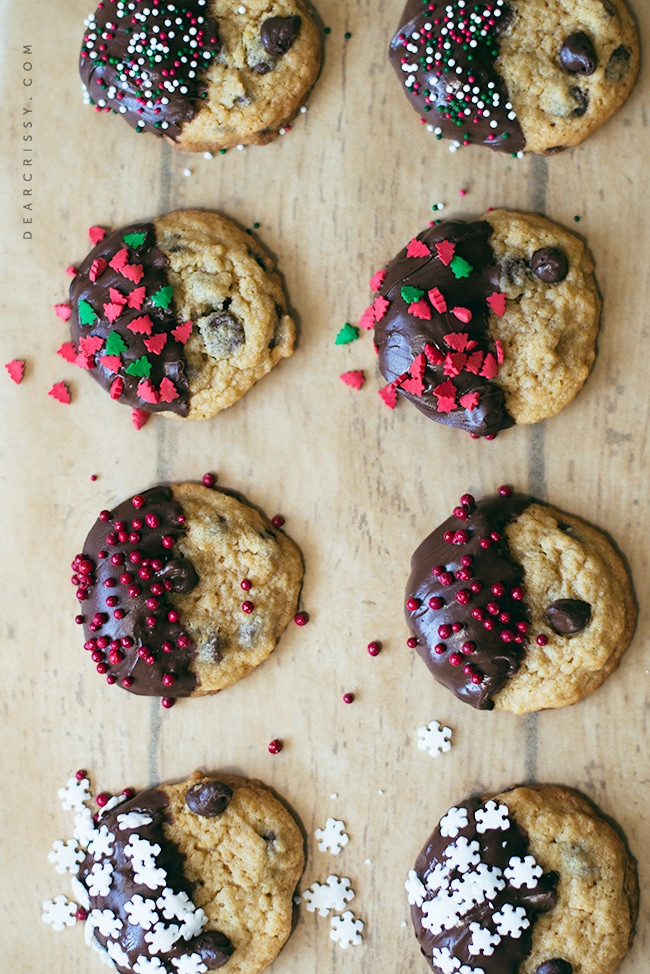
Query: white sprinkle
[[187, 172]]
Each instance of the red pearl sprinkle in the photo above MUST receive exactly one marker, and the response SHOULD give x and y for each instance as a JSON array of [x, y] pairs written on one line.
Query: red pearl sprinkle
[[374, 648], [275, 746], [301, 618], [541, 640], [208, 480], [168, 679], [102, 799], [167, 702], [476, 678], [246, 584], [517, 594], [81, 914], [444, 631], [439, 649], [436, 603], [412, 604], [127, 682], [247, 606], [504, 491], [467, 500], [455, 659], [348, 697], [277, 521], [411, 642], [138, 501], [80, 774]]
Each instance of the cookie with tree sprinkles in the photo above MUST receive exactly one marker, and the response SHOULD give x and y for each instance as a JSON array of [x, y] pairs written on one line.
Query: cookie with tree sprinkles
[[485, 324], [514, 605], [516, 75], [529, 881], [181, 315], [204, 74], [184, 589]]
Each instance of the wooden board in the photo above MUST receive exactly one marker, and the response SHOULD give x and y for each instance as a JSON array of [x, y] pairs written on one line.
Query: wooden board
[[359, 485]]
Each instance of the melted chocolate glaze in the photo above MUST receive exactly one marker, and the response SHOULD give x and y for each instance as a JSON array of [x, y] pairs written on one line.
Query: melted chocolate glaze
[[214, 947], [496, 847], [453, 85], [401, 335], [477, 582], [116, 290], [122, 568], [158, 87]]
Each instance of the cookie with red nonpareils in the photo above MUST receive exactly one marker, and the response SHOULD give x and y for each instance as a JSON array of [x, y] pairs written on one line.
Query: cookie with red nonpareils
[[204, 74], [183, 590], [529, 881], [179, 315], [516, 75], [515, 605], [486, 324]]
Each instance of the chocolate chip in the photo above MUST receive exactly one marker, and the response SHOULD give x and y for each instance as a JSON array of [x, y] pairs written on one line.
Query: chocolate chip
[[582, 99], [208, 798], [609, 8], [213, 647], [261, 68], [555, 966], [279, 33], [618, 64], [549, 265], [259, 260], [181, 573], [223, 333], [566, 617], [577, 54], [516, 270], [269, 837]]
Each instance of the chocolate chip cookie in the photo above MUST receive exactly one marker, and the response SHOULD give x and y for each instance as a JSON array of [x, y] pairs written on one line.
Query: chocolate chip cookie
[[204, 74], [191, 877], [486, 324], [529, 881], [515, 605], [180, 315], [516, 75], [183, 590]]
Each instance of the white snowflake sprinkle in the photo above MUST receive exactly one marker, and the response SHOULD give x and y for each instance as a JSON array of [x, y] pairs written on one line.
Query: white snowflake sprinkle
[[108, 924], [511, 921], [434, 738], [463, 854], [84, 827], [189, 964], [346, 930], [333, 894], [415, 889], [141, 912], [99, 879], [148, 965], [162, 938], [117, 954], [332, 837], [60, 912], [74, 794], [453, 822], [491, 816], [101, 843], [522, 872], [66, 856], [483, 940], [133, 820], [443, 958]]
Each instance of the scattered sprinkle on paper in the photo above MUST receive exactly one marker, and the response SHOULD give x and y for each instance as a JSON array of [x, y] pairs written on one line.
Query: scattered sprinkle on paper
[[16, 370], [346, 930], [332, 837], [434, 738], [60, 392]]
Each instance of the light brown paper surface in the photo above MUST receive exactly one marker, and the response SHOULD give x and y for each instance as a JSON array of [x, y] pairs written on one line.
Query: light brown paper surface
[[359, 485]]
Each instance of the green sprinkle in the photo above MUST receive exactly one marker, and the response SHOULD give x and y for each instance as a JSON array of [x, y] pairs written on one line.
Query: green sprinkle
[[327, 30], [134, 239], [256, 226], [347, 35], [87, 315], [411, 294], [348, 333], [576, 219], [140, 368], [115, 344], [163, 297], [460, 267]]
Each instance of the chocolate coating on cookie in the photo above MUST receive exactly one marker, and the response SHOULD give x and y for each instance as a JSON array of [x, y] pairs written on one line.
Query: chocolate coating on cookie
[[476, 891], [133, 874], [146, 61], [123, 578], [464, 600], [445, 58], [431, 327], [122, 322]]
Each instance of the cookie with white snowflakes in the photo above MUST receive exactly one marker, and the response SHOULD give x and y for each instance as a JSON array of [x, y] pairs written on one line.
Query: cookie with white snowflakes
[[530, 881], [191, 877], [180, 315], [183, 590], [515, 605], [486, 324], [204, 74], [516, 75]]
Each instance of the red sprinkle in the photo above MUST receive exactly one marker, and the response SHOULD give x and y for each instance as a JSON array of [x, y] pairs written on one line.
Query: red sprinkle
[[208, 480], [247, 606], [348, 697], [167, 702], [301, 618], [246, 584], [374, 648], [277, 521], [275, 746]]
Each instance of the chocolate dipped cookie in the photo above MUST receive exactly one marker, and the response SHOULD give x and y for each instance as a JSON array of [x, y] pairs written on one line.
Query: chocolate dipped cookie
[[515, 605], [204, 74], [183, 590], [530, 881], [181, 315], [487, 324], [190, 877], [516, 75]]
